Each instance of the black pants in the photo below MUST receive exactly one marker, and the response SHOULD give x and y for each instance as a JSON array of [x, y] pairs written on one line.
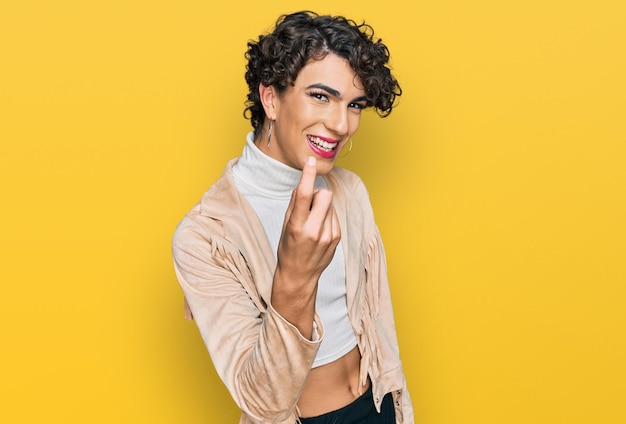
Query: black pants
[[361, 411]]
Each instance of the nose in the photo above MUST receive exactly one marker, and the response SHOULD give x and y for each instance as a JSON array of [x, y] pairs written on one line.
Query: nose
[[337, 120]]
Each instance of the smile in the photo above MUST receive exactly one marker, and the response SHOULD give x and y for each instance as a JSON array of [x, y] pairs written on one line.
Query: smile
[[322, 145]]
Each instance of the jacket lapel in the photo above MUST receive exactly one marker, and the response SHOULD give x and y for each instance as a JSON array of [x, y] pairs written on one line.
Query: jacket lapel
[[350, 236]]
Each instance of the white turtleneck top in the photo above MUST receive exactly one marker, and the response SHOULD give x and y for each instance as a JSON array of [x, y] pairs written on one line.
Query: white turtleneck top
[[267, 185]]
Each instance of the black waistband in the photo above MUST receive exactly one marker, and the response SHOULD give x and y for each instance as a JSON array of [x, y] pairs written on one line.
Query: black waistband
[[355, 411]]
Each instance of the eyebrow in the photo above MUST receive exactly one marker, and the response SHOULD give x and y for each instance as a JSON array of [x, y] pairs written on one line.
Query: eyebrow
[[334, 92]]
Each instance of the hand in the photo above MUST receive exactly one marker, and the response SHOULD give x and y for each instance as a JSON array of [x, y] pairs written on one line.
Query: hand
[[307, 244]]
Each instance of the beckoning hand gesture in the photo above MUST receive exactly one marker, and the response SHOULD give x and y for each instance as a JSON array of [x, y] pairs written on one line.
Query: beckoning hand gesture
[[307, 244]]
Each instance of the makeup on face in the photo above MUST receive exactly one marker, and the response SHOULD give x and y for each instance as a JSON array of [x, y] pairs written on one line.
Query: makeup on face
[[317, 115]]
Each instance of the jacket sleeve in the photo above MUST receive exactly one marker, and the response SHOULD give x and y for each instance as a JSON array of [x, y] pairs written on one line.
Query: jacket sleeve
[[262, 359]]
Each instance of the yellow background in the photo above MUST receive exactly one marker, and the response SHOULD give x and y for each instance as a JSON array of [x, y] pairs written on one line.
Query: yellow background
[[499, 185]]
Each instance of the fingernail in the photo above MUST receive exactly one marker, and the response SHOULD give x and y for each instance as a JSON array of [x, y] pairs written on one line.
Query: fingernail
[[310, 161]]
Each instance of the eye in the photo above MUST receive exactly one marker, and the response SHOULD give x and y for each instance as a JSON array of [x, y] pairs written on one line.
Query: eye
[[319, 95], [359, 106]]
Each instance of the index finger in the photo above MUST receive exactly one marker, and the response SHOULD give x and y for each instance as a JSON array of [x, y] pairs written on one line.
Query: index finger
[[304, 191]]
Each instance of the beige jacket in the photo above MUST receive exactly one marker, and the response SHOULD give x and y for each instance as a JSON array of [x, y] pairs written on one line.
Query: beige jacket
[[225, 266]]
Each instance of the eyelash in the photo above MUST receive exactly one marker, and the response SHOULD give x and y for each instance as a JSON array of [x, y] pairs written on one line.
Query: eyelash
[[323, 96], [318, 95]]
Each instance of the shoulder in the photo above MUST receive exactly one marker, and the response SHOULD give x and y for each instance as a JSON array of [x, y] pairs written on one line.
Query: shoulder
[[194, 232], [348, 180], [345, 177], [206, 219], [354, 197], [351, 185]]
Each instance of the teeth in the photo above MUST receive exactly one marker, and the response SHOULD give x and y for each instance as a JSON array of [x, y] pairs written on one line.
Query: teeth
[[324, 145]]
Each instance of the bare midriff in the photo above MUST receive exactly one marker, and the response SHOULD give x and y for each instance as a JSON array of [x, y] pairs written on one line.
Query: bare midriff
[[332, 386]]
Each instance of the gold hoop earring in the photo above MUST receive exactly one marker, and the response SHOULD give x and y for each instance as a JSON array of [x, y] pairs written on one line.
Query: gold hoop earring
[[269, 133], [349, 150]]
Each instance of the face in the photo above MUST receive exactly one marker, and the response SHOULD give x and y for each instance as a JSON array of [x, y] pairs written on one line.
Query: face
[[316, 116]]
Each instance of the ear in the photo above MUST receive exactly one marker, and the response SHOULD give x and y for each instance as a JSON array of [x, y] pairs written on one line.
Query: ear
[[269, 99]]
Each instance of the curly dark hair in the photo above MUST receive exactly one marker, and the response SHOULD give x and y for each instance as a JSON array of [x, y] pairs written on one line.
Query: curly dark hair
[[277, 58]]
